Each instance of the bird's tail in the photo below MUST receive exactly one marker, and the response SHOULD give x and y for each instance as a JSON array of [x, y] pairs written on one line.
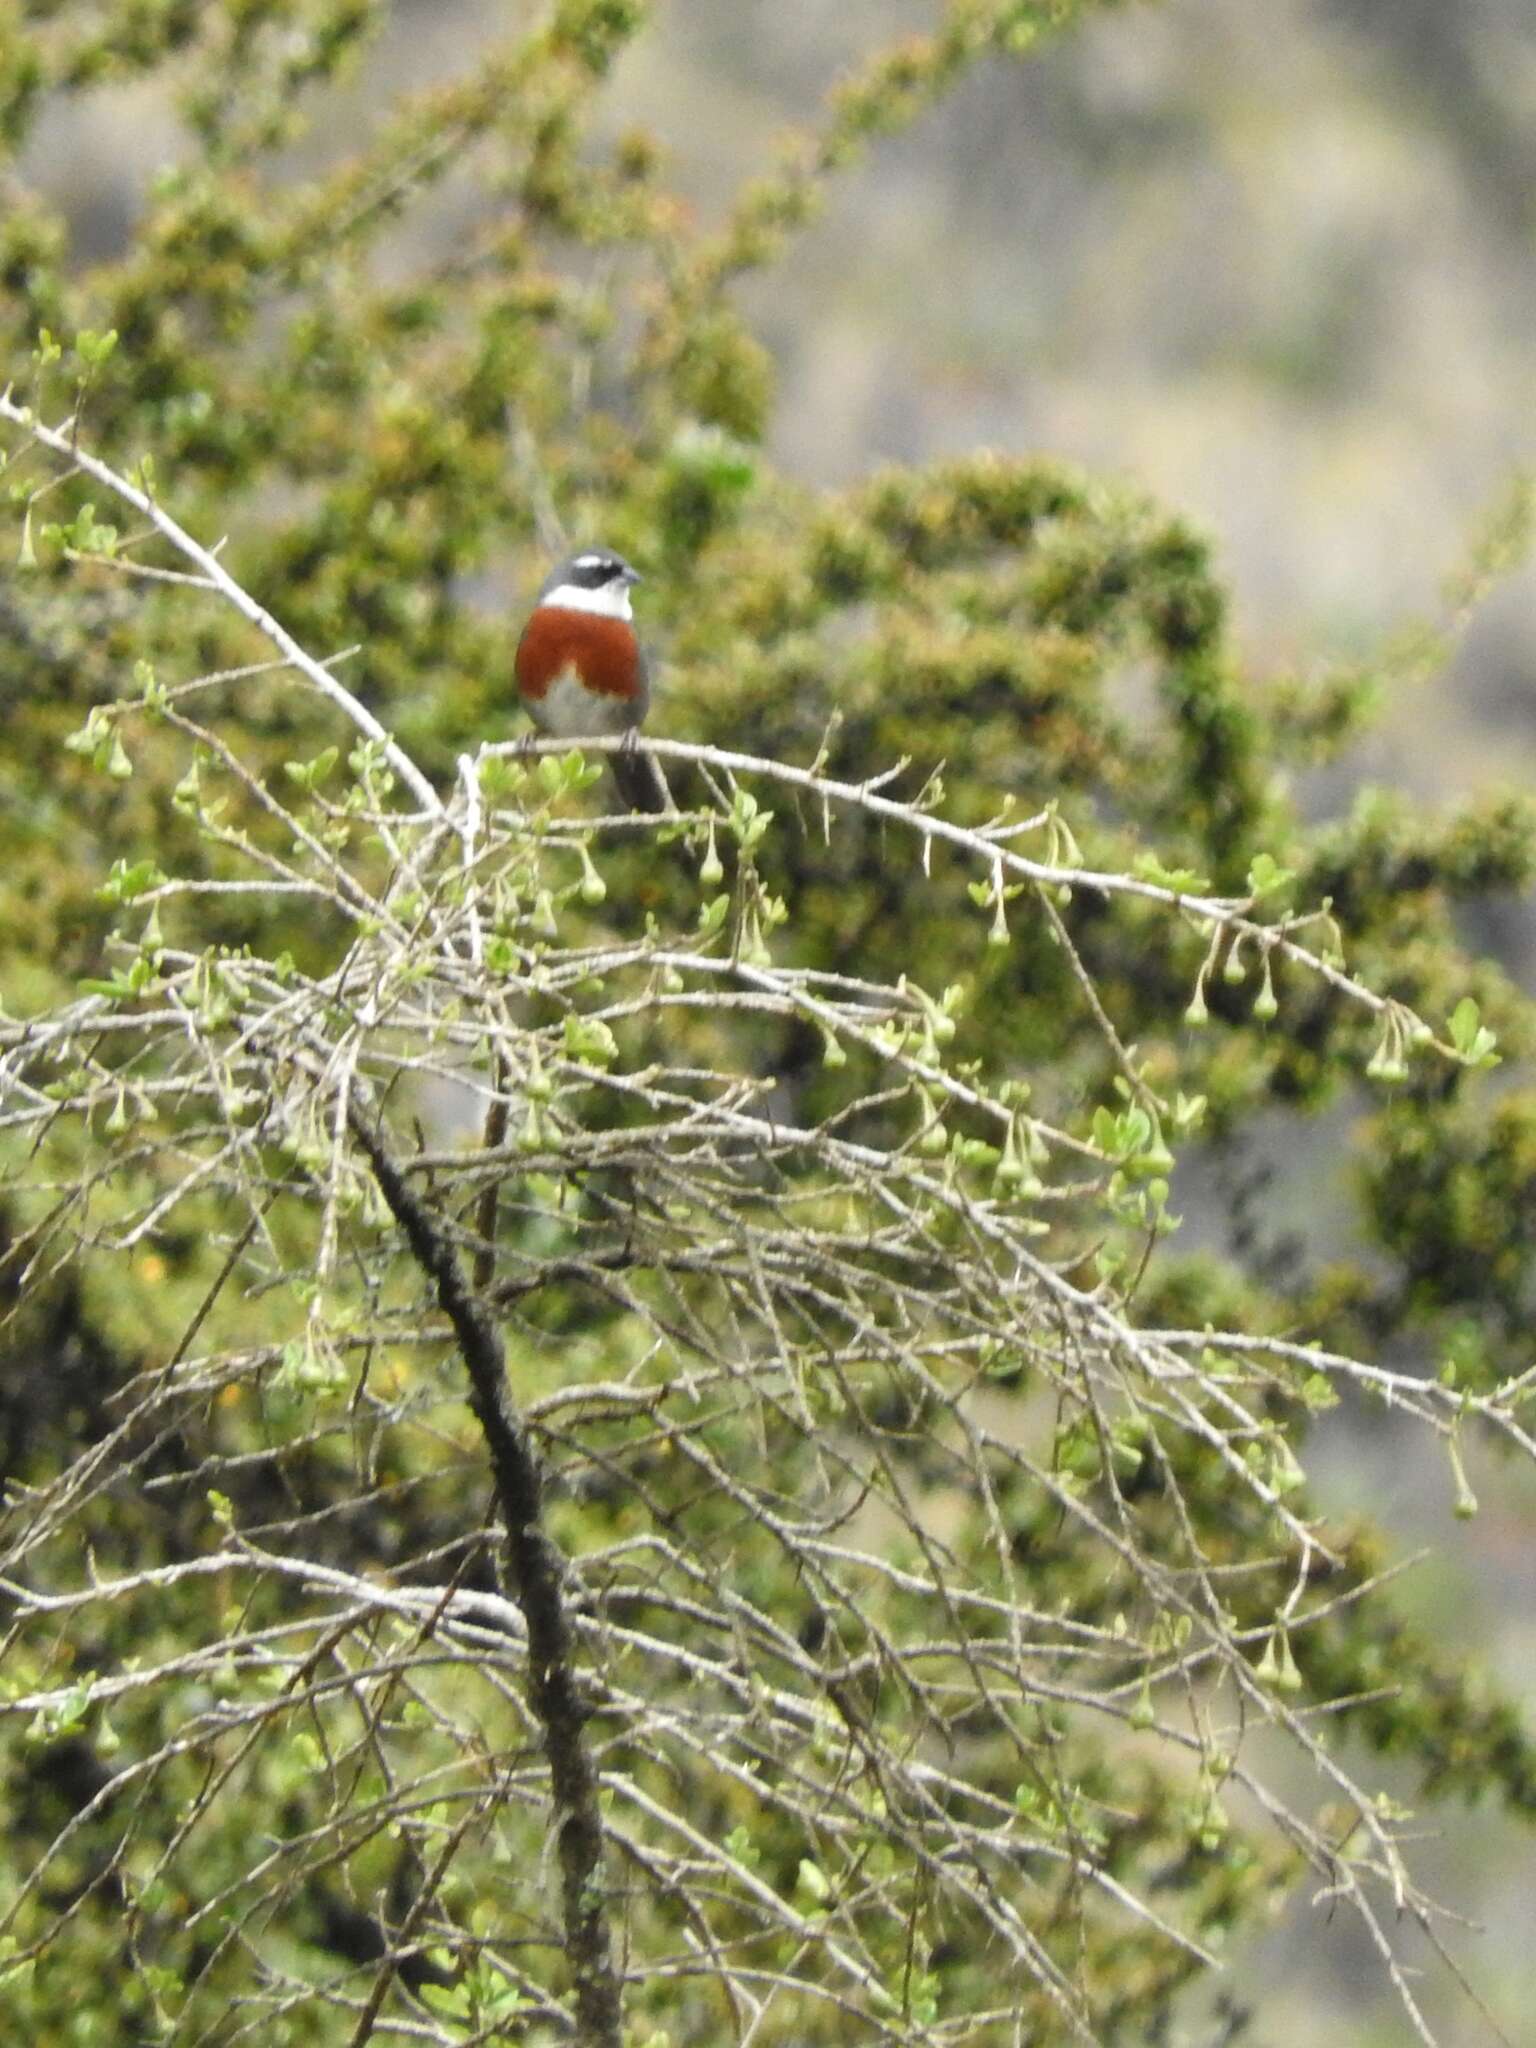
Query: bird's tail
[[640, 781]]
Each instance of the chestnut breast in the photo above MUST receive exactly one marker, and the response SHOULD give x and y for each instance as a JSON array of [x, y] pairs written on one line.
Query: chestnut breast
[[580, 672]]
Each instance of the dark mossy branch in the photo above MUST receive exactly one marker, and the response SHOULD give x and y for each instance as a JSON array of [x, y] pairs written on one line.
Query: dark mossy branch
[[535, 1573]]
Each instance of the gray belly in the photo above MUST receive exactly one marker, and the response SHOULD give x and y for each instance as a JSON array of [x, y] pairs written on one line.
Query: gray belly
[[568, 711]]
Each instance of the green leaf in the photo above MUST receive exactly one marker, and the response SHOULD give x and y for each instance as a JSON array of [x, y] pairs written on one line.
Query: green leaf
[[451, 2000], [1464, 1021], [589, 1039], [130, 879], [310, 774], [747, 821], [740, 1846], [500, 778], [1476, 1045], [1183, 881], [1265, 875], [713, 914], [93, 349]]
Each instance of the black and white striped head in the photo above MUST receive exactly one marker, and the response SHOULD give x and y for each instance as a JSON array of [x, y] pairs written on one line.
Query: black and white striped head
[[595, 580]]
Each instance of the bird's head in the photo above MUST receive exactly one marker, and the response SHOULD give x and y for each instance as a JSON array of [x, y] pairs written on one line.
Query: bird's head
[[595, 580]]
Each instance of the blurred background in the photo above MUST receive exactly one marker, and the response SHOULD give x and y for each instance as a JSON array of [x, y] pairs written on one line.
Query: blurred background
[[1274, 264]]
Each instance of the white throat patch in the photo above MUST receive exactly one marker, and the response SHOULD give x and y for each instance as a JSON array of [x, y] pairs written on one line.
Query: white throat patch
[[610, 602]]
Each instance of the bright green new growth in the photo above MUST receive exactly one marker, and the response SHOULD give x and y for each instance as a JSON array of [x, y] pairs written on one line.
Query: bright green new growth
[[609, 1428]]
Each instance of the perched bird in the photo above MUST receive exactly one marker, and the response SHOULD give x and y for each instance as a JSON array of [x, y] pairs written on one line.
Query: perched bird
[[581, 669]]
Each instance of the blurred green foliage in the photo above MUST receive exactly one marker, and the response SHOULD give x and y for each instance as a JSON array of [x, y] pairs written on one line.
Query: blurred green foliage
[[394, 374]]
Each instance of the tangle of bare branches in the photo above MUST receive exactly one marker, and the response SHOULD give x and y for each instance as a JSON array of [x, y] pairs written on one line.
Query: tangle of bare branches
[[586, 1460]]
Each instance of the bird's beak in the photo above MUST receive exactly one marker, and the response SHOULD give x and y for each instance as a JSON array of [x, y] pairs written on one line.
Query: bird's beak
[[633, 576]]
